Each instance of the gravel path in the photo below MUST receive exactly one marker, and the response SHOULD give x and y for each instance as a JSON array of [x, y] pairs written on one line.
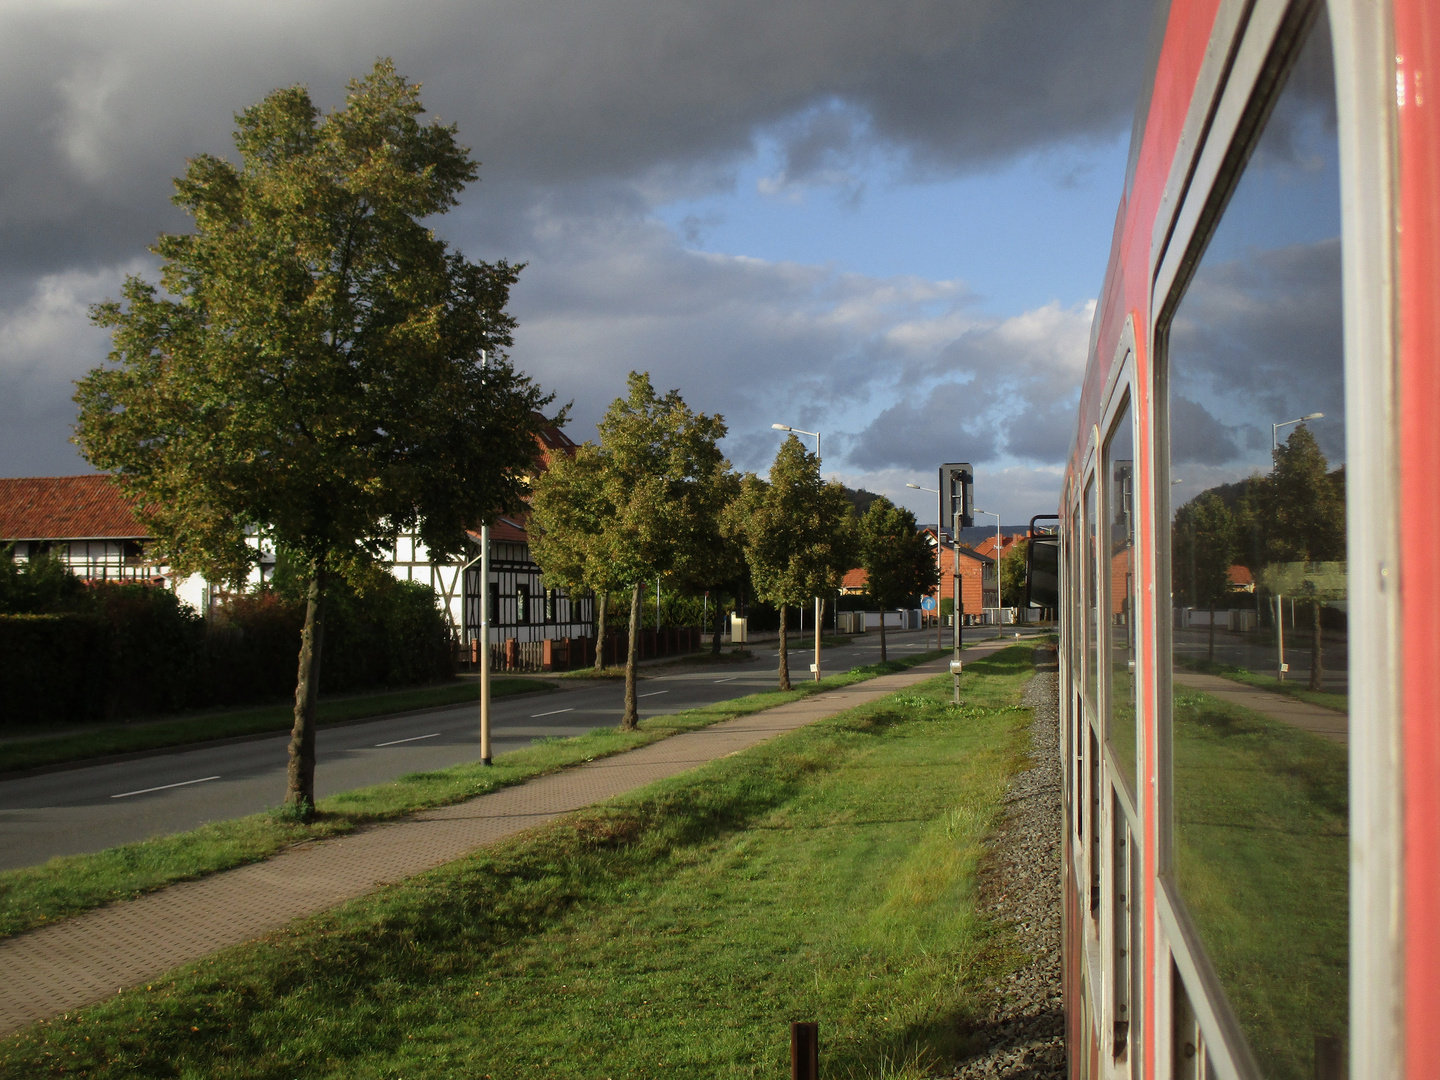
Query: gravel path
[[1024, 1033]]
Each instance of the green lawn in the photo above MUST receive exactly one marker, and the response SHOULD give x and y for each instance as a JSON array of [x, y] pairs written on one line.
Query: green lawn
[[1262, 861], [139, 736], [828, 874], [1264, 681], [67, 886]]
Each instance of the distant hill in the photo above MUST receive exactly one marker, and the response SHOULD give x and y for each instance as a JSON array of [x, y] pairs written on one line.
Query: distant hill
[[860, 499]]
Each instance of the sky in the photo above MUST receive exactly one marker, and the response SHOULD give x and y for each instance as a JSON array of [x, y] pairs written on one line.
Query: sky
[[884, 222]]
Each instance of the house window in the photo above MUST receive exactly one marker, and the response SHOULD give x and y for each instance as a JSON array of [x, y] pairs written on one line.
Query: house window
[[522, 604]]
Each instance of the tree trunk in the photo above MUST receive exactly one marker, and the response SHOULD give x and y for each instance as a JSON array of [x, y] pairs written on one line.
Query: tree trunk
[[784, 650], [602, 601], [1317, 657], [882, 635], [300, 775], [1210, 653], [631, 719], [719, 625]]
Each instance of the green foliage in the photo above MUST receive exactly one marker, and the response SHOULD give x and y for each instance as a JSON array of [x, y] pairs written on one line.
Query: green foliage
[[1205, 545], [896, 556], [797, 530], [643, 502], [1012, 574], [314, 373], [41, 585], [111, 651]]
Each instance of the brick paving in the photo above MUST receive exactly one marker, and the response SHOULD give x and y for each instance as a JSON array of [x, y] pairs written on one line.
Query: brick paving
[[79, 961]]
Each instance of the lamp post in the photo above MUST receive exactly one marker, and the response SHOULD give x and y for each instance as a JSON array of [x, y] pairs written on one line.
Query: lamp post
[[1275, 428], [484, 624], [940, 569], [988, 513], [819, 604]]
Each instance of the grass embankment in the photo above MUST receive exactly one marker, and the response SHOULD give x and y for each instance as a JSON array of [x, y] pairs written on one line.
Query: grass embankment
[[140, 736], [66, 886], [1262, 681], [827, 874], [1262, 854]]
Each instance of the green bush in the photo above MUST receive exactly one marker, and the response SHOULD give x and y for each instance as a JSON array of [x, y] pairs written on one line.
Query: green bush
[[78, 652]]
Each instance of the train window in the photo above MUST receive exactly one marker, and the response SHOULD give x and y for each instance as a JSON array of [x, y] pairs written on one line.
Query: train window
[[1254, 381], [1120, 593], [1091, 602]]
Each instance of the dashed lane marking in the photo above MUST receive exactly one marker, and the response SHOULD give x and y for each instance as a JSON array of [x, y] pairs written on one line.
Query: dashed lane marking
[[163, 787], [413, 738]]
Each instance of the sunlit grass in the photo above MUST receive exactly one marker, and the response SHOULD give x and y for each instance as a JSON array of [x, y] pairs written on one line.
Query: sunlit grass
[[828, 874], [71, 884]]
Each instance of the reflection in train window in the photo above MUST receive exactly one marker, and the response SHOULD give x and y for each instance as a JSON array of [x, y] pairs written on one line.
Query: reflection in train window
[[1120, 592], [1258, 574], [1091, 561]]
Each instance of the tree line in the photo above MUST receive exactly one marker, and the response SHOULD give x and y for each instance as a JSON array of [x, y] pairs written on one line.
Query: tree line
[[1287, 528], [654, 499]]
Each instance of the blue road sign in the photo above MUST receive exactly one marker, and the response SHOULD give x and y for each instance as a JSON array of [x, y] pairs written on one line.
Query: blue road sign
[[928, 603]]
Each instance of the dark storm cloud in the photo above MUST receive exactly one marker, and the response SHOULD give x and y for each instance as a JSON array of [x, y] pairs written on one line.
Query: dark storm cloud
[[1259, 340], [585, 116], [103, 102]]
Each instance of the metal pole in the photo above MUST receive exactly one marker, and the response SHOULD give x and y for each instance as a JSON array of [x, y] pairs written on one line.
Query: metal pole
[[1279, 635], [484, 627], [959, 608], [819, 614]]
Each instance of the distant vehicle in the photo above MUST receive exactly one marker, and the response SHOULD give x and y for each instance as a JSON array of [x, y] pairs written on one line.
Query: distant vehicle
[[1252, 805]]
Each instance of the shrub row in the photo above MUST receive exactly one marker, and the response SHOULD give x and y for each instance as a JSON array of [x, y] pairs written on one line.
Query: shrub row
[[135, 650]]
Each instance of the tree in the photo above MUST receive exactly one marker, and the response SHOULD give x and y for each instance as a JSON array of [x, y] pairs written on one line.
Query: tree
[[569, 513], [1300, 512], [797, 535], [645, 493], [896, 556], [1012, 574], [713, 558], [1207, 540], [314, 375]]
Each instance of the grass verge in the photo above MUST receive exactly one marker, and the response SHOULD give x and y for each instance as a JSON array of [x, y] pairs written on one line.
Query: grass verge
[[827, 874], [66, 886], [1262, 857], [39, 752], [1262, 681]]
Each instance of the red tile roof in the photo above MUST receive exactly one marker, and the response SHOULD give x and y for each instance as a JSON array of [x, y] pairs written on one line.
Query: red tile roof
[[66, 508], [855, 579]]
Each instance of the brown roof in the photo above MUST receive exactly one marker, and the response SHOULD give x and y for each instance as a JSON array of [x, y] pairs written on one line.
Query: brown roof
[[66, 508]]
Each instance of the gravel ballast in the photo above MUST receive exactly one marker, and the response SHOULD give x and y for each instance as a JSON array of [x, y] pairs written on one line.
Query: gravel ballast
[[1023, 1036]]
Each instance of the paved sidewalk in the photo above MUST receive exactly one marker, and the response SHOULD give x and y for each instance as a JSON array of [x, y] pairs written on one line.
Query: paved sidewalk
[[1331, 724], [84, 959]]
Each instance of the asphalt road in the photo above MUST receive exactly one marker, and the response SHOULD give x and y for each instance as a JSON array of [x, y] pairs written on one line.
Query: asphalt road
[[99, 806]]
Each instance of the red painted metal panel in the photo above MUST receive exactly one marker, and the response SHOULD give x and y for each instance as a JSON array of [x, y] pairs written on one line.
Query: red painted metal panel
[[1417, 87]]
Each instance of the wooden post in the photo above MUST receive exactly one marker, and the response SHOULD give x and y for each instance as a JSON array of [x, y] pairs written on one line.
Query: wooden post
[[804, 1051]]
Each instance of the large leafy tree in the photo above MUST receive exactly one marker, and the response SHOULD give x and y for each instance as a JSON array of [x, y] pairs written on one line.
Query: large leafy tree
[[635, 506], [896, 556], [313, 373], [1299, 511], [797, 532]]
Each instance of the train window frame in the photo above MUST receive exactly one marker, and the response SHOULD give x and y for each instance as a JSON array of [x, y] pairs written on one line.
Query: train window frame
[[1252, 47], [1121, 393]]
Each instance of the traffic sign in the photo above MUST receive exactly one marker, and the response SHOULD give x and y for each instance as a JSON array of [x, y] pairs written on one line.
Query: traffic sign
[[928, 603]]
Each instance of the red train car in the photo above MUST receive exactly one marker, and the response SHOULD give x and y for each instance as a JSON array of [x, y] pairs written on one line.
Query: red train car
[[1250, 650]]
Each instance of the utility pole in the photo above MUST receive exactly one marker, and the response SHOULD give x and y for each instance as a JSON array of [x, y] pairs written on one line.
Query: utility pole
[[819, 613], [957, 494], [484, 626]]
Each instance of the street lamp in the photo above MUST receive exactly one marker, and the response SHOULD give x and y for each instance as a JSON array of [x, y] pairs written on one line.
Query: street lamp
[[1275, 428], [988, 513], [940, 569], [819, 604]]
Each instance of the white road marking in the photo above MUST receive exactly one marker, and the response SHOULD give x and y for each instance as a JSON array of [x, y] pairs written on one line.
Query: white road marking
[[413, 738], [163, 787], [552, 712], [731, 679], [652, 693]]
